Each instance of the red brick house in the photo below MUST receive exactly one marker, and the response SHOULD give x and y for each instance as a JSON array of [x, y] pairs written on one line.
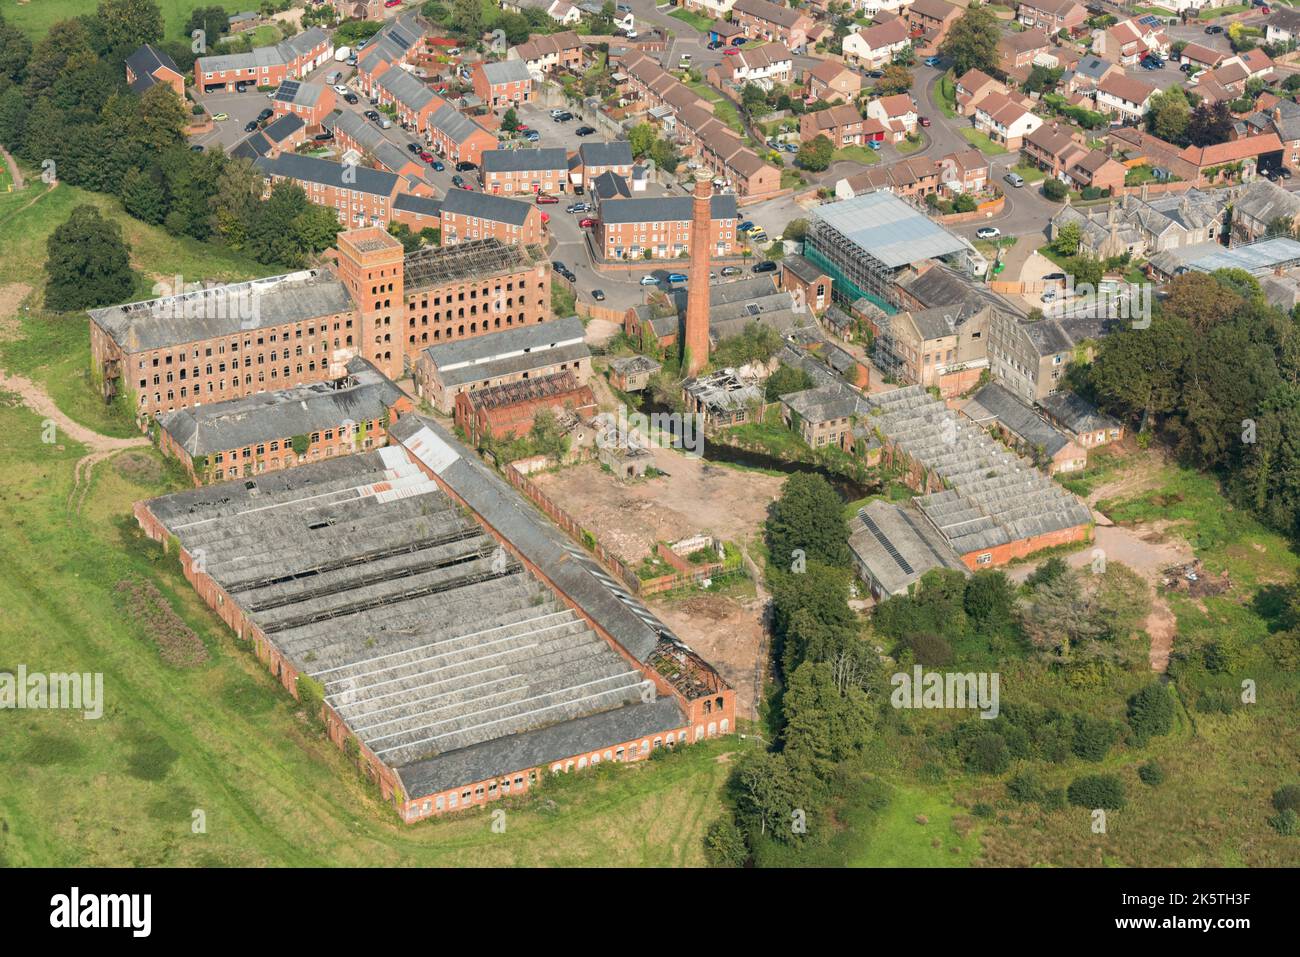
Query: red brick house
[[148, 66], [466, 215], [830, 80], [771, 21], [503, 84], [458, 137], [311, 102], [928, 22], [842, 124], [510, 409], [290, 59]]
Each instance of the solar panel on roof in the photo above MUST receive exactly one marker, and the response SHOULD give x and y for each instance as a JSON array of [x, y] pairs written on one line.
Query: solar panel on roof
[[1151, 21], [885, 543], [287, 91]]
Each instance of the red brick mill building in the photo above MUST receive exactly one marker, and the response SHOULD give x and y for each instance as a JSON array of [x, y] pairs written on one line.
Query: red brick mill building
[[235, 340], [459, 645]]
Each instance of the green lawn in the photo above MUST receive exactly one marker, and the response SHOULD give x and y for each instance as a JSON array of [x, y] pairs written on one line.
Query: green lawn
[[723, 108], [946, 95], [1222, 11], [857, 154], [907, 147], [1032, 174], [698, 20], [36, 17], [982, 142]]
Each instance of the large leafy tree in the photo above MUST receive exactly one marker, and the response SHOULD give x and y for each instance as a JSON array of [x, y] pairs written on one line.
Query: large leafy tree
[[809, 518], [972, 43], [129, 23], [87, 263], [1210, 123]]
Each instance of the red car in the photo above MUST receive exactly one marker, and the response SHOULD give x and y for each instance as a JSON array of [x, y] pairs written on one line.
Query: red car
[[467, 185], [427, 156], [392, 3], [730, 51], [923, 120], [544, 198], [588, 222]]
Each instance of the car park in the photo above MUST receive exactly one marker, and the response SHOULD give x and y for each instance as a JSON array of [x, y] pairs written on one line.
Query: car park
[[767, 265], [988, 232], [649, 281]]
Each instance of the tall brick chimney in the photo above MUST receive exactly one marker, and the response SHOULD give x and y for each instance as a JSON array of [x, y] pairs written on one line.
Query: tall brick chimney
[[696, 356]]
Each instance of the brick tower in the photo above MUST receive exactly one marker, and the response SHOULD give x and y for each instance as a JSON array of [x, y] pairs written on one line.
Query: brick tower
[[696, 356], [369, 263]]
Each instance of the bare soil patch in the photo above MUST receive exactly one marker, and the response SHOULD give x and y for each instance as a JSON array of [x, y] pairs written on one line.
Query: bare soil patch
[[726, 633]]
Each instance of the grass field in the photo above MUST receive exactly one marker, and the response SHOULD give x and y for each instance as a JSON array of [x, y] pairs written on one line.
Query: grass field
[[723, 108], [55, 349], [698, 20], [36, 16], [856, 154]]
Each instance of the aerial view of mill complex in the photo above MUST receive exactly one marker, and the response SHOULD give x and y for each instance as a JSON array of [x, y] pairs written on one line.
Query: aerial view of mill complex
[[699, 434]]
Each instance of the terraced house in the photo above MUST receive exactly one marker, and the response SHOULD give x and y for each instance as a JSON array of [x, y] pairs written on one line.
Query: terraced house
[[502, 85], [413, 101], [771, 21], [359, 195], [1051, 15], [843, 125], [465, 216], [311, 102], [545, 53], [458, 137], [290, 59], [660, 228], [396, 43], [512, 172]]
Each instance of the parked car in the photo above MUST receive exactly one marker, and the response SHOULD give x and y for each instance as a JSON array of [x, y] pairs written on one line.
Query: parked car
[[1284, 172], [1015, 179], [371, 115], [467, 184], [241, 87], [533, 136], [789, 148], [324, 137], [1212, 30], [426, 156], [767, 265], [874, 144], [588, 223], [334, 77], [758, 235], [1049, 295], [746, 226], [875, 74], [458, 180], [546, 198], [649, 281], [585, 130], [196, 148], [933, 61], [556, 113], [715, 44], [731, 270], [578, 208], [392, 3], [739, 41], [413, 147], [598, 295], [351, 98], [437, 165], [562, 117], [731, 51], [464, 166], [676, 277], [988, 232], [923, 120], [220, 116], [340, 89], [250, 126]]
